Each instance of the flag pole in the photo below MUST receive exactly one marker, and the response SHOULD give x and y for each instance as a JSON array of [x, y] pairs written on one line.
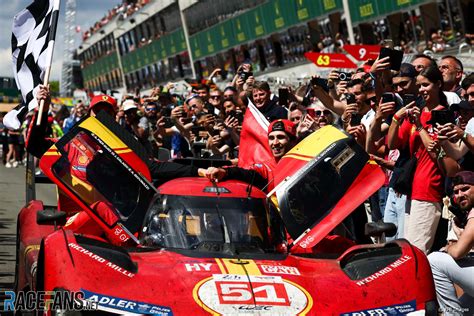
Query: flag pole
[[51, 40]]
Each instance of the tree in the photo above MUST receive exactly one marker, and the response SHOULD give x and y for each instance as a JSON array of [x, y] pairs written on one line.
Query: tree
[[54, 88]]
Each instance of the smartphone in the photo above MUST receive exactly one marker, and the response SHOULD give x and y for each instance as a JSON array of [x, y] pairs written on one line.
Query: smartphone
[[356, 119], [441, 117], [165, 111], [237, 115], [388, 97], [214, 132], [283, 94], [196, 130], [384, 52], [350, 98], [323, 83], [168, 121], [408, 98], [311, 113], [396, 57]]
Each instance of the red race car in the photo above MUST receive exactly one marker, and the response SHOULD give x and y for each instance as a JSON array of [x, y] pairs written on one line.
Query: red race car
[[192, 247]]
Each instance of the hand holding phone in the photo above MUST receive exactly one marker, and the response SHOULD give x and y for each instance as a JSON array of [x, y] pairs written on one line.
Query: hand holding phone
[[441, 117], [350, 98], [388, 97]]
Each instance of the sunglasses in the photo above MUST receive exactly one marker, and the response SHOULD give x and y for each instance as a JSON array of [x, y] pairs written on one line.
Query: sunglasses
[[319, 113], [150, 109], [215, 97]]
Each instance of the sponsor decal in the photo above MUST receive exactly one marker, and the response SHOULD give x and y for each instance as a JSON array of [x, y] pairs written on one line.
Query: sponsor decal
[[279, 269], [385, 270], [106, 302], [190, 267], [101, 260], [392, 310], [225, 294]]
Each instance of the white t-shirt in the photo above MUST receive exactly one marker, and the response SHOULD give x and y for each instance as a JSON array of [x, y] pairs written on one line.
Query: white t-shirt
[[452, 97], [367, 119], [470, 127]]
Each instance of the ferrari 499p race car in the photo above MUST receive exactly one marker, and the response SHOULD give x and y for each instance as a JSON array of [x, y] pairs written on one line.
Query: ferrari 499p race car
[[193, 247]]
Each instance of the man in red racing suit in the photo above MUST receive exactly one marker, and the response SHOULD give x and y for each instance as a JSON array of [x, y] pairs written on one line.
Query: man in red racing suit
[[80, 152]]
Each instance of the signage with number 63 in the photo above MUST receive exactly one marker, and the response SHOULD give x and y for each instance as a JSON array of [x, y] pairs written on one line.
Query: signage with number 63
[[330, 60]]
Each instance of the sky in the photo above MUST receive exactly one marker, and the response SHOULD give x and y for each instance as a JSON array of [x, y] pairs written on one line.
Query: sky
[[87, 13]]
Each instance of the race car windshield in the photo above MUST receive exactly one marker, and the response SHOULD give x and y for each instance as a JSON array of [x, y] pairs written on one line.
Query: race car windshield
[[196, 222]]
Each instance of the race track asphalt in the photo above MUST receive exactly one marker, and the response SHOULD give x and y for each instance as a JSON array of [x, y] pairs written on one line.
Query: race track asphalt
[[12, 199]]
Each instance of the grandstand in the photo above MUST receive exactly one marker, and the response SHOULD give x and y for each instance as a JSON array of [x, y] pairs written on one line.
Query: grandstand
[[140, 44]]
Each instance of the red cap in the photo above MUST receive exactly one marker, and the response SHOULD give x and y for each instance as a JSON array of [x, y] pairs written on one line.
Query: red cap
[[286, 126], [103, 98]]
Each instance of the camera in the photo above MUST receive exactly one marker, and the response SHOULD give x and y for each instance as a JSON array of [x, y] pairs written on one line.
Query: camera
[[323, 83], [388, 97], [244, 75], [345, 76]]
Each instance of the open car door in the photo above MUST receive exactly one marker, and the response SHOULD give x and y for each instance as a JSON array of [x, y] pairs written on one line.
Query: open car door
[[104, 169], [320, 182]]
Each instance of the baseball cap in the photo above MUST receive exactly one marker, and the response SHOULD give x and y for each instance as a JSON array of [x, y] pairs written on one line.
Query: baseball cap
[[103, 98], [128, 105], [463, 177], [286, 126], [465, 105], [407, 70]]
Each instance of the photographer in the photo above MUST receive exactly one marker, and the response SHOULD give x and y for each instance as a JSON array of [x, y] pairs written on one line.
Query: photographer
[[455, 263]]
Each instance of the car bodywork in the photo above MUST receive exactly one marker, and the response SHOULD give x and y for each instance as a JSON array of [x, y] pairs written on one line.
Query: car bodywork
[[195, 247]]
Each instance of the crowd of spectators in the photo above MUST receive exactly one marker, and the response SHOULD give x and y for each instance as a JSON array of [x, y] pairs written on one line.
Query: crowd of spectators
[[420, 111], [123, 11]]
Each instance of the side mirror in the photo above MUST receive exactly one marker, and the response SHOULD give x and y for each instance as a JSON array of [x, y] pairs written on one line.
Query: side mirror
[[375, 229], [50, 217]]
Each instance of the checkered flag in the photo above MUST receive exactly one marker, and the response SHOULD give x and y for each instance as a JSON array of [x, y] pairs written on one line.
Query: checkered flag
[[33, 34]]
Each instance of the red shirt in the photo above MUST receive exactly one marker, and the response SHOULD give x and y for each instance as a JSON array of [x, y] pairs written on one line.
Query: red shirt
[[428, 182]]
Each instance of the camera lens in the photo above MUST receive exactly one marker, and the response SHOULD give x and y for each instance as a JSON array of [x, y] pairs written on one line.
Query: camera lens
[[342, 76]]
